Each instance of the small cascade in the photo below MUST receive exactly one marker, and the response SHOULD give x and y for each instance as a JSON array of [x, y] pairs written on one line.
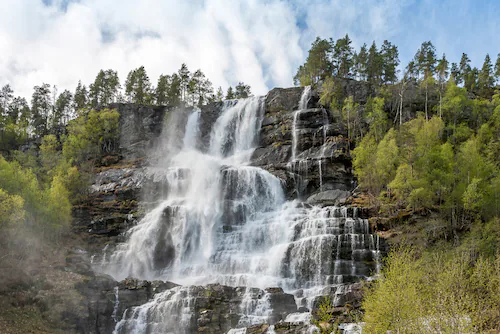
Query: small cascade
[[305, 97], [304, 100], [320, 162], [117, 303], [255, 309], [168, 312]]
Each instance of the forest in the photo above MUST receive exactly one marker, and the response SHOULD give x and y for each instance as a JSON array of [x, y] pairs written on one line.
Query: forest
[[426, 157]]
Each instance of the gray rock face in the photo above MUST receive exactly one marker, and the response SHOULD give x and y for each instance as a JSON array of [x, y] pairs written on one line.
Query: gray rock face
[[139, 125], [334, 197], [322, 158]]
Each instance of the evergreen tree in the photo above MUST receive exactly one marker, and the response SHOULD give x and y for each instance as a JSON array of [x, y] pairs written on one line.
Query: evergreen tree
[[18, 108], [40, 109], [426, 59], [200, 88], [374, 68], [62, 109], [485, 79], [318, 64], [220, 95], [455, 73], [174, 91], [471, 80], [80, 100], [138, 87], [184, 77], [390, 60], [412, 70], [6, 96], [342, 57], [361, 62], [162, 88], [497, 68], [442, 74], [105, 88], [442, 70], [230, 93], [464, 69], [242, 91]]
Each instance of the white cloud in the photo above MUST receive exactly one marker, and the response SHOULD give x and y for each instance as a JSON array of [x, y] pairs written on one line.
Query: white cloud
[[260, 42]]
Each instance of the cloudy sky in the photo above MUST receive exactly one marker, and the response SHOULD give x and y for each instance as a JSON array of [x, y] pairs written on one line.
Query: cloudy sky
[[260, 42]]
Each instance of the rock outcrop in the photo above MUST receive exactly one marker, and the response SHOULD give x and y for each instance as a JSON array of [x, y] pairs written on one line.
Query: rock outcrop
[[307, 149]]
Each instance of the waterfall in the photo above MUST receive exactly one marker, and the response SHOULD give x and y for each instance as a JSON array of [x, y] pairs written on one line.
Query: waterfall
[[305, 97], [221, 220], [304, 100]]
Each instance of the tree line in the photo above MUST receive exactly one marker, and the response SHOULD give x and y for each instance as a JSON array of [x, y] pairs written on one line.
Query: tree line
[[49, 111], [329, 58]]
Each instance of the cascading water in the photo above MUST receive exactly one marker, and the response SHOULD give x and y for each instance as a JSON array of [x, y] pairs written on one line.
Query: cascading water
[[223, 221]]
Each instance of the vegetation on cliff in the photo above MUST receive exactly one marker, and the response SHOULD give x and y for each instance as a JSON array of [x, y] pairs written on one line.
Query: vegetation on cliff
[[438, 162]]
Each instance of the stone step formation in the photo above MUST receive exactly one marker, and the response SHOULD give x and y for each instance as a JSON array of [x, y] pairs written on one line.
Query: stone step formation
[[247, 219]]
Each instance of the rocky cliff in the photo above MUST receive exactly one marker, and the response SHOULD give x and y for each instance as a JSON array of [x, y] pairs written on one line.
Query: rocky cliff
[[306, 148]]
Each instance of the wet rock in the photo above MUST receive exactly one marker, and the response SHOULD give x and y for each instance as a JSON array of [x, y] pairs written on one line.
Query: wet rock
[[330, 197], [139, 126]]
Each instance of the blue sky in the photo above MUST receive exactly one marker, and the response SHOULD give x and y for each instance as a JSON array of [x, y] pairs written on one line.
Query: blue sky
[[261, 42]]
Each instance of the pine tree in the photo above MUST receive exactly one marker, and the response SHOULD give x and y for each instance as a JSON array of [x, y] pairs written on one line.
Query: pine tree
[[390, 61], [442, 74], [62, 110], [184, 76], [360, 62], [138, 87], [6, 96], [428, 63], [220, 94], [80, 99], [374, 68], [497, 68], [174, 91], [318, 64], [200, 88], [342, 57], [161, 91], [471, 80], [464, 69], [425, 60], [455, 73], [485, 79], [105, 88], [230, 93], [40, 109], [242, 91]]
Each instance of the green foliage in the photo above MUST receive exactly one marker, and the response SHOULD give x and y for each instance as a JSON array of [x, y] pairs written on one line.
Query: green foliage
[[441, 291], [332, 94], [138, 87], [25, 200], [318, 65], [377, 118], [242, 91], [395, 302], [90, 136], [105, 89], [11, 209], [323, 318]]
